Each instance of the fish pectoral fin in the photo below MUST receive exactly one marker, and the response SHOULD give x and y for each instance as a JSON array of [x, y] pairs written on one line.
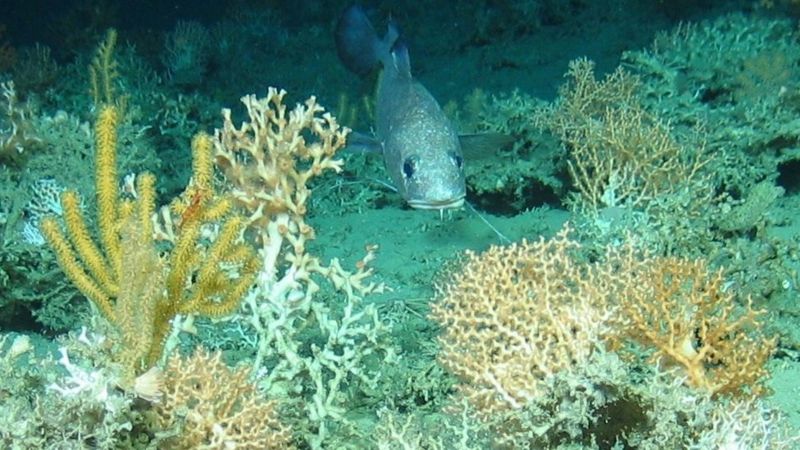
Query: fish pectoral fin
[[483, 145], [362, 143]]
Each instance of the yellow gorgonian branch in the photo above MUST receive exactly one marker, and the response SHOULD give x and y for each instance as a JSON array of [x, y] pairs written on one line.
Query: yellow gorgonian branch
[[138, 289]]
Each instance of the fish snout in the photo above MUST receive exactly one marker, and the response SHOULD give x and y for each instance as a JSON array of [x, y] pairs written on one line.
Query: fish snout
[[442, 198], [425, 204]]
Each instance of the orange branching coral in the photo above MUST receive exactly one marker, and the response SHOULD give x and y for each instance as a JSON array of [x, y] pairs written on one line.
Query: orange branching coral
[[514, 315], [210, 406], [683, 311]]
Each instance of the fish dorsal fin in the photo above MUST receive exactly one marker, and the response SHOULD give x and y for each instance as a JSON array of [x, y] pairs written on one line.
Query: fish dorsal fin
[[483, 145], [362, 143], [400, 59]]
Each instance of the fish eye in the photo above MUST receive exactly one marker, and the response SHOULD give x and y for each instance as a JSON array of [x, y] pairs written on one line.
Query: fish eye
[[410, 166]]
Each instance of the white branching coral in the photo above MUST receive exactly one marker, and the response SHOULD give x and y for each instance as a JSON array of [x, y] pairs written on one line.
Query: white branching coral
[[268, 162], [45, 201]]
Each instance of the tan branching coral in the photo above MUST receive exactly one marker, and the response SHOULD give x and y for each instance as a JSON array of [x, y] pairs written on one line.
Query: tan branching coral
[[209, 406], [270, 161], [684, 311], [268, 164], [620, 154], [513, 316]]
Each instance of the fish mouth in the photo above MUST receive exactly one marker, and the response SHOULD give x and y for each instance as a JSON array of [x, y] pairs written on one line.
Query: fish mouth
[[437, 204]]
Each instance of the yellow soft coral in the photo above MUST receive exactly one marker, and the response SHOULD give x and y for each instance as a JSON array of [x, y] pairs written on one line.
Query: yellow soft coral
[[136, 288]]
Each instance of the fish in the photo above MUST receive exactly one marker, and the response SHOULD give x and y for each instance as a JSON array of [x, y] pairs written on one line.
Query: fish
[[421, 149]]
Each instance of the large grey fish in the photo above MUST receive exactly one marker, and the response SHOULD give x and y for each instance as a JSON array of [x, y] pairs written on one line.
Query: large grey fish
[[420, 147]]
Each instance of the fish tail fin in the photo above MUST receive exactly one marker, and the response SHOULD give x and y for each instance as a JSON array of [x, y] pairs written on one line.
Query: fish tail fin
[[357, 43]]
